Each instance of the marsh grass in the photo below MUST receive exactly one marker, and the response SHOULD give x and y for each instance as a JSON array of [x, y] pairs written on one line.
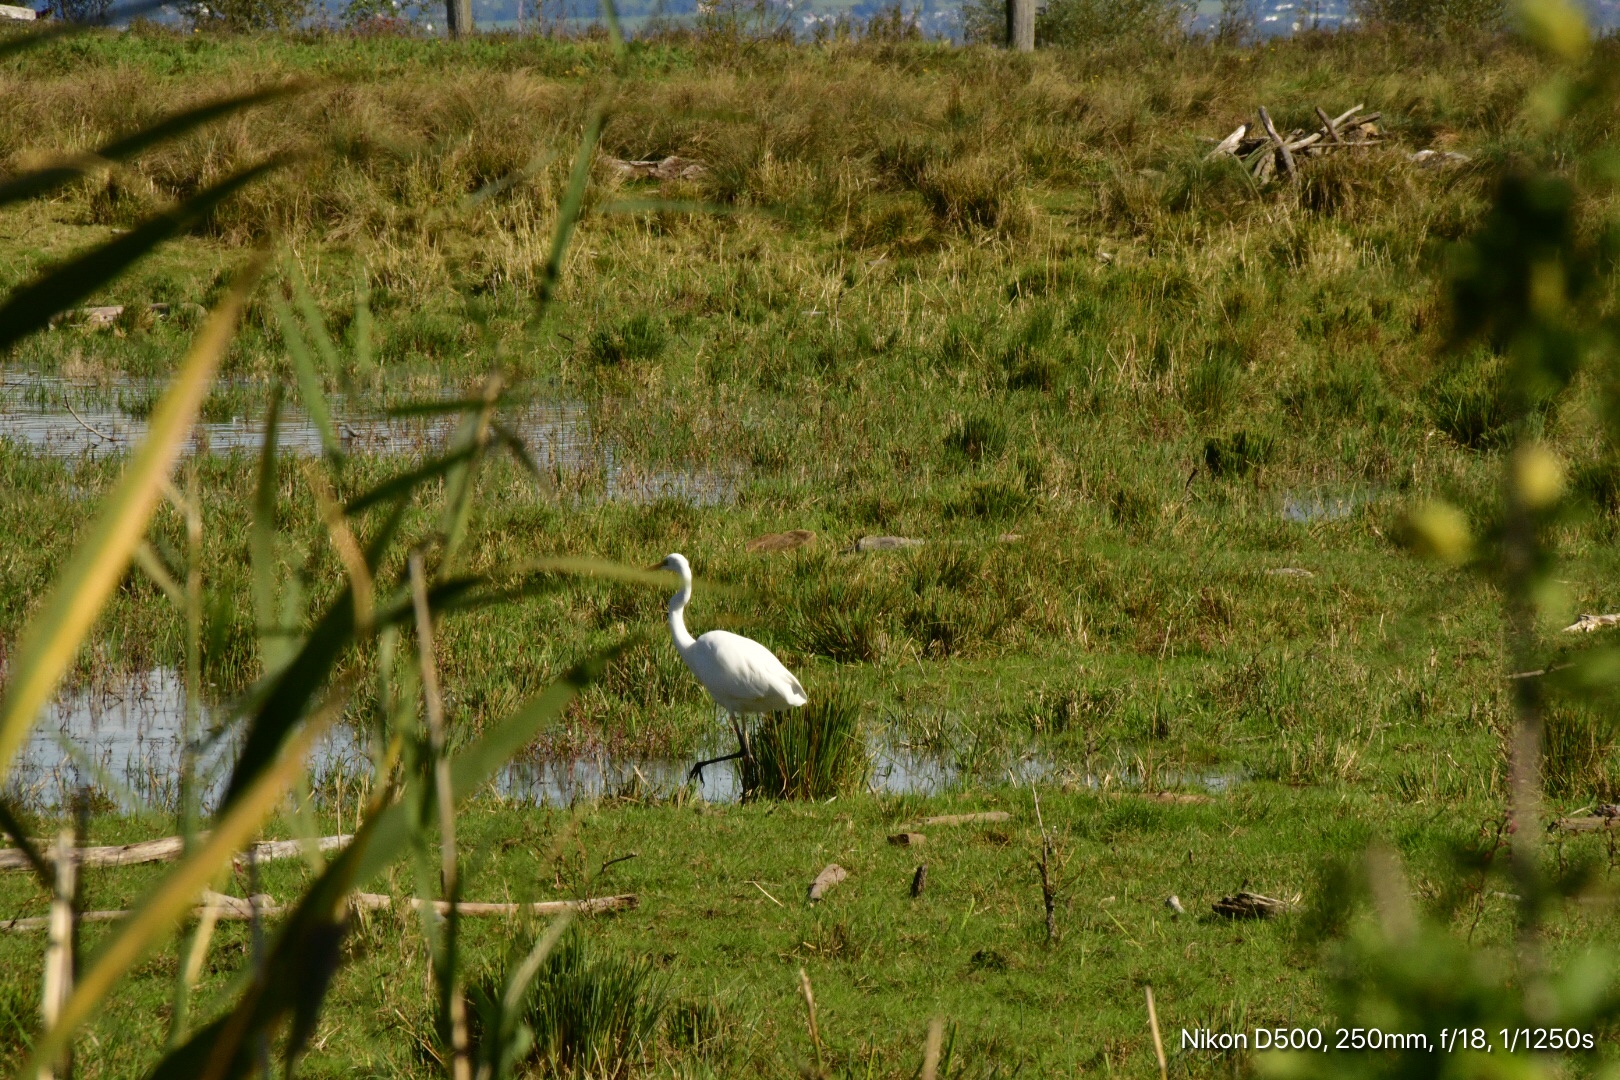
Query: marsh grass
[[590, 1012], [813, 752], [872, 340]]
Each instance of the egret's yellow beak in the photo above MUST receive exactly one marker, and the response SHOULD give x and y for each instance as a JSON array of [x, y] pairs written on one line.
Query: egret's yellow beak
[[654, 566]]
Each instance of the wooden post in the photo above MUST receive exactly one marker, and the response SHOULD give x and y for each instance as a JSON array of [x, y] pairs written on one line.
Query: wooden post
[[458, 17], [1021, 25]]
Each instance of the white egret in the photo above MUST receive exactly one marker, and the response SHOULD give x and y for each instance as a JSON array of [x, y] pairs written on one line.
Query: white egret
[[740, 674]]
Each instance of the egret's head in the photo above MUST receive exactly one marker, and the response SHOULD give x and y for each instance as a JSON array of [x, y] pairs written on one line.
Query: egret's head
[[676, 563]]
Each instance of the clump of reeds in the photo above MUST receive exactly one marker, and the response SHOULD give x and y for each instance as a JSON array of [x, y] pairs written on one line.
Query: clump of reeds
[[588, 1014], [814, 752]]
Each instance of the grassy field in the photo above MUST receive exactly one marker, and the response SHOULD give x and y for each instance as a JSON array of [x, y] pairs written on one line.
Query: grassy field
[[998, 304]]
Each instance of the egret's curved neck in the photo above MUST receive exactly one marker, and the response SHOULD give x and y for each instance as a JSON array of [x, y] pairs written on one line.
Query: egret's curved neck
[[677, 613]]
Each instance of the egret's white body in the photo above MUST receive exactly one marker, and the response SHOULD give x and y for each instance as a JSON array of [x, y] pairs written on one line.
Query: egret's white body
[[740, 674]]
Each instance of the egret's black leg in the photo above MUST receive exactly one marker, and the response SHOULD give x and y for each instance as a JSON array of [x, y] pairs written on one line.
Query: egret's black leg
[[745, 751], [697, 770]]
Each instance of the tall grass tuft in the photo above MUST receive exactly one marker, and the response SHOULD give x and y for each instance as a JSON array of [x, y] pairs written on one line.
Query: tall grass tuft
[[1578, 755], [811, 753], [587, 1014]]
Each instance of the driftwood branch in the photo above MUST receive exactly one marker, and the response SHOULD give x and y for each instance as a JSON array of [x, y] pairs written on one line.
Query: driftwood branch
[[968, 819], [594, 906], [1229, 144], [1328, 126], [1605, 818], [1283, 153], [168, 849], [1588, 623], [239, 909]]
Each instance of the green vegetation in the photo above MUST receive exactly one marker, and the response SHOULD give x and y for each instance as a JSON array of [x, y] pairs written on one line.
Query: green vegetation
[[1167, 439]]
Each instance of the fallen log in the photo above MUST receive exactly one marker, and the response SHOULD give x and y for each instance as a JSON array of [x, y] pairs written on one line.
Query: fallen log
[[240, 909], [167, 850], [907, 839], [1605, 818], [968, 819], [829, 877], [594, 906]]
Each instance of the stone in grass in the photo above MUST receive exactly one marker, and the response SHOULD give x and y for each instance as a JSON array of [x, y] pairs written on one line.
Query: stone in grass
[[782, 541], [907, 839], [830, 876], [1248, 905], [885, 543], [1290, 571]]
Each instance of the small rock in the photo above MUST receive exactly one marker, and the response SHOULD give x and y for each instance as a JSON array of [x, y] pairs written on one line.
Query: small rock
[[1438, 159], [831, 875], [1178, 797], [907, 839], [1248, 905], [885, 543], [1289, 571], [1173, 902], [1608, 810], [782, 541], [19, 14]]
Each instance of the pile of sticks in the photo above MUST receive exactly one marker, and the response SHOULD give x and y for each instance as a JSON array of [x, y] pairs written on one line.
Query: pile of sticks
[[1267, 153]]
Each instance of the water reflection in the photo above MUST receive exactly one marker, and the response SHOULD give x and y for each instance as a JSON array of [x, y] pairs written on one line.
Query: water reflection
[[74, 419], [123, 740]]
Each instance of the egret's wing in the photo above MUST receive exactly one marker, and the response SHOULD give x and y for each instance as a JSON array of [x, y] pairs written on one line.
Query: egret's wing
[[744, 675]]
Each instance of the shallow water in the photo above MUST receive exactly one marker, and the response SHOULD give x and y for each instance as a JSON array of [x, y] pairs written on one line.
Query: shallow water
[[123, 740], [74, 419]]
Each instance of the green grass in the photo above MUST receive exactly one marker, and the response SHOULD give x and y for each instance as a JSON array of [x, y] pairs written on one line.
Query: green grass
[[1000, 305], [971, 949]]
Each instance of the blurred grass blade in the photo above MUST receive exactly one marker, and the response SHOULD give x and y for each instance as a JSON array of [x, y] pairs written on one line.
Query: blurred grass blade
[[42, 181], [297, 971], [610, 15], [309, 379], [573, 200], [363, 365], [19, 837], [288, 695], [480, 760], [262, 544], [168, 902], [503, 184], [402, 485], [519, 451], [605, 568], [442, 406], [52, 638], [29, 307], [311, 311], [63, 28], [676, 206], [461, 480]]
